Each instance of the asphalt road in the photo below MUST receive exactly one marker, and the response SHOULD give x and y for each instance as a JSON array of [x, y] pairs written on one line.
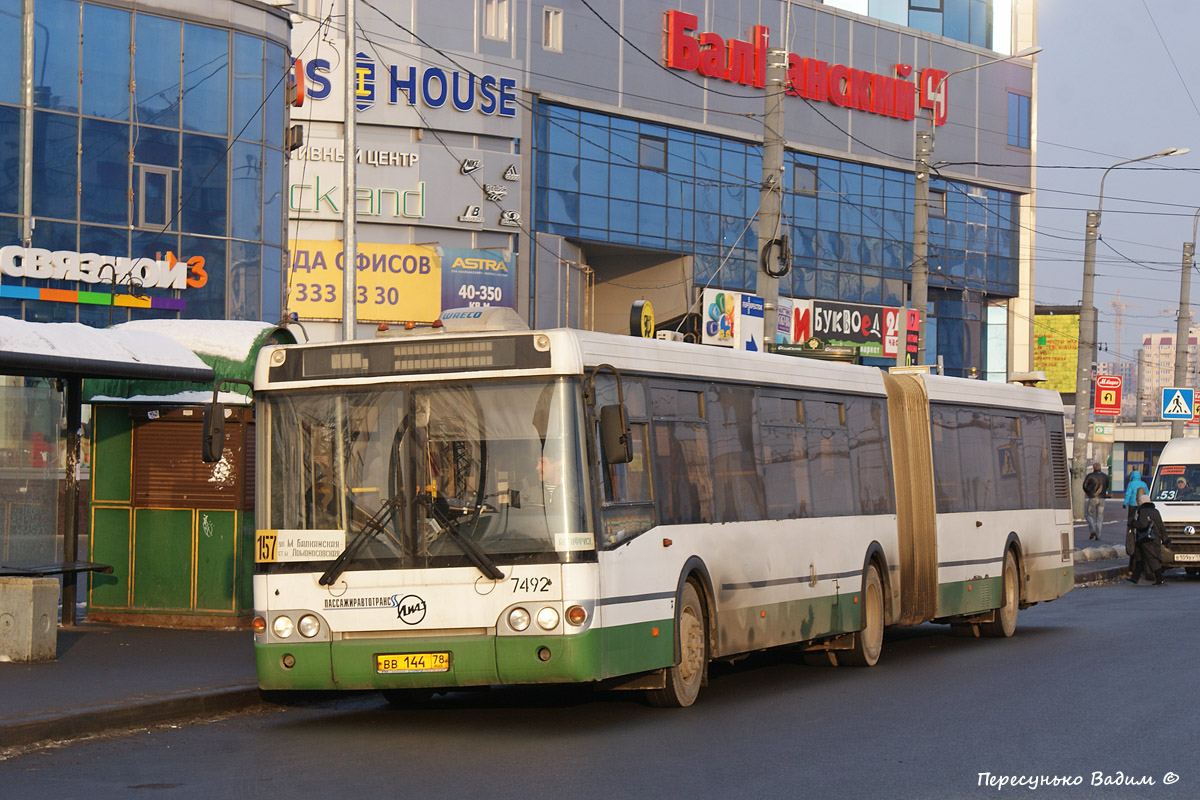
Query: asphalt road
[[1102, 684]]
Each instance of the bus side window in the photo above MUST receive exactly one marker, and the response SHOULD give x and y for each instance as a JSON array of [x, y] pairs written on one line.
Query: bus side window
[[630, 483], [784, 457], [683, 485], [1035, 454], [947, 473], [829, 458]]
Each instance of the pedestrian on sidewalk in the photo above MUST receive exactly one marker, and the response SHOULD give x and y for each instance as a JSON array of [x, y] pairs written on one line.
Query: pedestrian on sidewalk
[[1095, 487], [1148, 532], [1130, 505]]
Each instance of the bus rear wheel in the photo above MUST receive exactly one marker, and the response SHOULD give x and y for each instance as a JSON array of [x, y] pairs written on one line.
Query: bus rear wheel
[[867, 643], [684, 679], [1005, 622]]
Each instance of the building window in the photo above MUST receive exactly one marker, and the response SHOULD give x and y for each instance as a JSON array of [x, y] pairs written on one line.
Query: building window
[[652, 153], [552, 29], [495, 20], [154, 196], [804, 180], [1019, 125], [937, 203]]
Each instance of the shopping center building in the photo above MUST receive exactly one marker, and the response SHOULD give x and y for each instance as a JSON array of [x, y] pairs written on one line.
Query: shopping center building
[[142, 141], [568, 161], [564, 161]]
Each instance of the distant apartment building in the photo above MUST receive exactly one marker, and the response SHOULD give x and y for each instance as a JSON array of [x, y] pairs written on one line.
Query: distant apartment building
[[1158, 366]]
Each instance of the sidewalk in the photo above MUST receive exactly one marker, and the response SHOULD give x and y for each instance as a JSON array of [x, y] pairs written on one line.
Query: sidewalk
[[110, 677]]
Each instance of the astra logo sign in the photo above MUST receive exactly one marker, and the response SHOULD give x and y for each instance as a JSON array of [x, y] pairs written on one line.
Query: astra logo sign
[[745, 62], [433, 87]]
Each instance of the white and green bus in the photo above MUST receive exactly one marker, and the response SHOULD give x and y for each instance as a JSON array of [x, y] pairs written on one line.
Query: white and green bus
[[475, 508]]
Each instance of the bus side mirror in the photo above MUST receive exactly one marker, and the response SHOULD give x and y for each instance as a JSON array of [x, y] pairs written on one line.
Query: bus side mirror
[[614, 435], [212, 441]]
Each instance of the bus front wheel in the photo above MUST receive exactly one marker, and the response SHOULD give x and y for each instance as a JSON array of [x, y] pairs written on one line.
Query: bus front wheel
[[868, 642], [683, 679], [1005, 622]]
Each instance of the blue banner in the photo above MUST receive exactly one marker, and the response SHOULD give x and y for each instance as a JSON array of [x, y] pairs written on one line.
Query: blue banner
[[478, 278]]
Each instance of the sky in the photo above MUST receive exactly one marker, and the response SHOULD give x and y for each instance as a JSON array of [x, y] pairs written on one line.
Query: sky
[[1117, 80]]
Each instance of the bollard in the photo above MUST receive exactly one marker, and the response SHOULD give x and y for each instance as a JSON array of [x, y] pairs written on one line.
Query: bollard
[[28, 619]]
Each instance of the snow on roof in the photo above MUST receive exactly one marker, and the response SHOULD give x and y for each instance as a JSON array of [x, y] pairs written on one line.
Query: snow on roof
[[179, 398], [71, 340], [231, 339]]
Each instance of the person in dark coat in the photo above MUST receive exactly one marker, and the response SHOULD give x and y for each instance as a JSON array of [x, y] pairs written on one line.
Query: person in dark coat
[[1148, 532]]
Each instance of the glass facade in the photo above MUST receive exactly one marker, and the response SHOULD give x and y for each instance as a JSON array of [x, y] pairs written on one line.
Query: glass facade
[[971, 21], [151, 135], [850, 224]]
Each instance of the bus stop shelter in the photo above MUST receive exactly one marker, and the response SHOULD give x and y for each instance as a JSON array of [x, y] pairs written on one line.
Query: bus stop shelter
[[69, 353]]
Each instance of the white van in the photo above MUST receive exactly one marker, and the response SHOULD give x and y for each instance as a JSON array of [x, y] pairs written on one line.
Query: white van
[[1176, 494]]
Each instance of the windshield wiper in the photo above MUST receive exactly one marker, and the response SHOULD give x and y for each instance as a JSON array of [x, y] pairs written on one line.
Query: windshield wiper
[[445, 517], [370, 528]]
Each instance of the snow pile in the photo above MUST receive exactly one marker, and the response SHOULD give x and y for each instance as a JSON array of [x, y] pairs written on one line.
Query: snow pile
[[76, 341], [230, 339]]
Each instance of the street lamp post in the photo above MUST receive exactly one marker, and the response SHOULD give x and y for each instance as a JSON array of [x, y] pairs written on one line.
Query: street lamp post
[[1184, 325], [920, 262], [1087, 337]]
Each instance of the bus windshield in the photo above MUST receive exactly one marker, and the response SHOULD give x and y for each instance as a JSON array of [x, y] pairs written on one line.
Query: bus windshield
[[398, 476], [1176, 483]]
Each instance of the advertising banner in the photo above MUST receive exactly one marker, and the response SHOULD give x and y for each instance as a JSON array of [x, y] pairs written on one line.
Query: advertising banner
[[873, 330], [720, 315], [1056, 349], [750, 323], [478, 278], [395, 282]]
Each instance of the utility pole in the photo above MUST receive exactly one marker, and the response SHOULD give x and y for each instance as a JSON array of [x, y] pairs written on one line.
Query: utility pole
[[771, 244], [1183, 327], [349, 179], [920, 264]]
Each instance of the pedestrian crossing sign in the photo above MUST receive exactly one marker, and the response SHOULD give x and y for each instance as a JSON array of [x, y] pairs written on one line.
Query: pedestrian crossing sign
[[1178, 403]]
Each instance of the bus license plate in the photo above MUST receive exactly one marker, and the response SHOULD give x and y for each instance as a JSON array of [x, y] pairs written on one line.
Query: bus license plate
[[1187, 556], [412, 662]]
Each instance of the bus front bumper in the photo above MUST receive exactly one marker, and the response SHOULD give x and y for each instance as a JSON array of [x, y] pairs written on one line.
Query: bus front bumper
[[473, 660]]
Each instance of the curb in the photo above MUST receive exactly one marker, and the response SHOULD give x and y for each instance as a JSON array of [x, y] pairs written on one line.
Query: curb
[[1098, 577], [101, 719]]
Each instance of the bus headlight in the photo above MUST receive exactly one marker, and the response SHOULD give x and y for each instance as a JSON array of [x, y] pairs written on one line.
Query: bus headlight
[[547, 619], [577, 615], [309, 626], [518, 619], [283, 626]]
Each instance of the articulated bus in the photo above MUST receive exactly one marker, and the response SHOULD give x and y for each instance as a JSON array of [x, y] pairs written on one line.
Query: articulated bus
[[472, 508]]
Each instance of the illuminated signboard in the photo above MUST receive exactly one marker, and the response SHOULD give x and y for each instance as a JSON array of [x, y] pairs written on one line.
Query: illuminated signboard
[[1056, 349], [419, 355]]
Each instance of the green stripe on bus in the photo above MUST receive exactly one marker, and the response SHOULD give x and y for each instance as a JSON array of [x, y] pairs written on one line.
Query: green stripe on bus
[[474, 660], [770, 624], [969, 597]]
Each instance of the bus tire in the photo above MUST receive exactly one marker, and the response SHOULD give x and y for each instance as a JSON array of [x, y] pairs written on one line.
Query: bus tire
[[867, 643], [683, 680], [1004, 624]]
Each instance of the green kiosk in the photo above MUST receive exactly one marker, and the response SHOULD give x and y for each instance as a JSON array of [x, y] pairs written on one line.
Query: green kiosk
[[178, 532]]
